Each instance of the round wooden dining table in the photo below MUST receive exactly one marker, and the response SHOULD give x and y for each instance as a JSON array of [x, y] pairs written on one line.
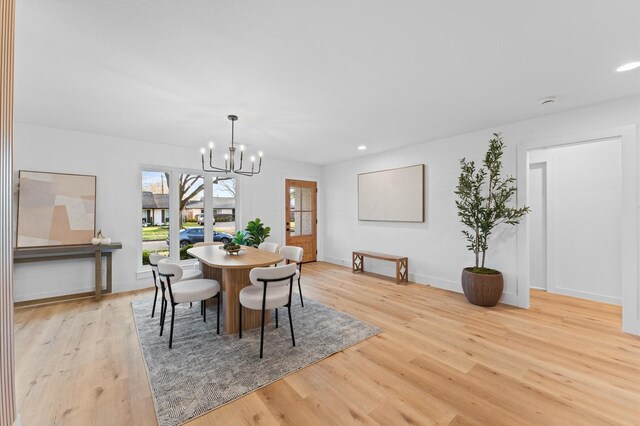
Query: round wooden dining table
[[232, 272]]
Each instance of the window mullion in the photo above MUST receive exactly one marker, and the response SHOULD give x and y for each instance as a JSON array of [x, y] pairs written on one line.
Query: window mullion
[[174, 215], [207, 208]]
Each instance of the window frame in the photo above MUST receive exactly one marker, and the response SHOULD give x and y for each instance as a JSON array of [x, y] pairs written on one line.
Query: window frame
[[174, 206]]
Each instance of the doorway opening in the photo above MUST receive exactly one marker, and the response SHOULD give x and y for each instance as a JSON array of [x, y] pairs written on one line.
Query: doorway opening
[[575, 225], [538, 224]]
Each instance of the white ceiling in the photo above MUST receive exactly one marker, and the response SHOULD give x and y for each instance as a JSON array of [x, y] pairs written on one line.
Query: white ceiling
[[311, 80]]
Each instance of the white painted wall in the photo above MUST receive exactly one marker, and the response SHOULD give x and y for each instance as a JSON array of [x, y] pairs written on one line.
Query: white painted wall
[[116, 163], [436, 249], [538, 224], [585, 212]]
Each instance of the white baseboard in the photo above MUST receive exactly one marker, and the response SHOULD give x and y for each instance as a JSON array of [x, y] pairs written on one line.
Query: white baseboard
[[509, 299], [118, 287], [436, 282], [54, 293], [586, 295], [442, 283], [337, 261], [631, 327]]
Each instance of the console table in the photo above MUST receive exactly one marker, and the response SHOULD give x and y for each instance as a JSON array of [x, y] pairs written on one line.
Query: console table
[[39, 254], [402, 263]]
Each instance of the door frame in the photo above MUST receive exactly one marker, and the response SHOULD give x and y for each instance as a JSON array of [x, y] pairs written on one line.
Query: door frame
[[548, 255], [283, 233], [629, 222]]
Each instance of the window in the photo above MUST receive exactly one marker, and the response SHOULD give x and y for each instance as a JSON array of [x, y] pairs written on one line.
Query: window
[[224, 205], [191, 190], [301, 210], [155, 214], [187, 210]]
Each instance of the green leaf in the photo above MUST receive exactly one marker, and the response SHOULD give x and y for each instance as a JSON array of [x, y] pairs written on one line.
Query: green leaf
[[258, 232], [484, 197]]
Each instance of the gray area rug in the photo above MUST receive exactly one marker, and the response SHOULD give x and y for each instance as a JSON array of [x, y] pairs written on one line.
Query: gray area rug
[[204, 371]]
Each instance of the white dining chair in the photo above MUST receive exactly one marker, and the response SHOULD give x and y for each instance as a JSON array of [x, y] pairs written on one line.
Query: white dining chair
[[154, 258], [270, 247], [294, 254], [271, 289], [195, 290]]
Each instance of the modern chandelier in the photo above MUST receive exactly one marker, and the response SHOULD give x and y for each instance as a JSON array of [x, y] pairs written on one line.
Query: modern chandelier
[[230, 158]]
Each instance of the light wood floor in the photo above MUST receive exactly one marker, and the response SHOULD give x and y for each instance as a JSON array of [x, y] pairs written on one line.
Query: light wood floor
[[439, 360]]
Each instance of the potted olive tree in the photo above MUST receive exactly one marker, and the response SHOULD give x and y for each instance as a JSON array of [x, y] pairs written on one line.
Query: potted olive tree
[[483, 196]]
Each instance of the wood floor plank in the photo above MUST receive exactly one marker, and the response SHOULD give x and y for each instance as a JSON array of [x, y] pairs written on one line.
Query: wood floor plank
[[438, 361], [249, 410]]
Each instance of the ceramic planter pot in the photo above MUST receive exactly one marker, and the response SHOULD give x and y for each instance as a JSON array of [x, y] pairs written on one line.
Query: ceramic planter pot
[[482, 289]]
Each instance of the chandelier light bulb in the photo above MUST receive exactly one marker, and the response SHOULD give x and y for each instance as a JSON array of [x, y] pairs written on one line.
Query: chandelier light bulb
[[253, 158], [202, 151], [241, 147], [260, 153], [226, 157], [210, 145]]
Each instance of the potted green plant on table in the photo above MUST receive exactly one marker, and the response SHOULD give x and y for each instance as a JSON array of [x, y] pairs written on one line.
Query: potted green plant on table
[[240, 238], [259, 233], [483, 196]]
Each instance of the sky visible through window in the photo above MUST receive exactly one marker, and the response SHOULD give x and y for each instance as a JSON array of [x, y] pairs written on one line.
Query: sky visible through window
[[156, 182]]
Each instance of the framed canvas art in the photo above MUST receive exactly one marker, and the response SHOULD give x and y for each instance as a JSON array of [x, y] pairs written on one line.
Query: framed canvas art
[[395, 195], [55, 209]]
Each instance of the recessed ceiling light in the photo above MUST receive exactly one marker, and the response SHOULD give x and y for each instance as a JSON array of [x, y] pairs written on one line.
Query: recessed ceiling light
[[362, 147], [628, 67]]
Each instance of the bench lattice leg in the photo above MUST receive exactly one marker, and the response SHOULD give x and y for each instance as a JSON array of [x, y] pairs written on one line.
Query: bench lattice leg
[[358, 263], [402, 270]]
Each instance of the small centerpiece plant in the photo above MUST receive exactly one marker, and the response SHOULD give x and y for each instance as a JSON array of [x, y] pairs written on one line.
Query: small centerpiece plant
[[252, 236], [240, 238], [483, 198]]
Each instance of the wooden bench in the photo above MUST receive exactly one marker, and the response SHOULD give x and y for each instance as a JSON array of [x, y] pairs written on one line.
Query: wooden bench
[[402, 263]]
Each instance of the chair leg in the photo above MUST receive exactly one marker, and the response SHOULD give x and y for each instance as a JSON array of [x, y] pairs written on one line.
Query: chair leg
[[239, 320], [173, 314], [218, 316], [293, 339], [203, 303], [300, 291], [163, 301], [276, 317], [155, 298], [262, 331], [163, 314]]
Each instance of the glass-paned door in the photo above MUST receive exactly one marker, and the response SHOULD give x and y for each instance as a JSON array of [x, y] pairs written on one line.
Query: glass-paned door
[[301, 208]]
